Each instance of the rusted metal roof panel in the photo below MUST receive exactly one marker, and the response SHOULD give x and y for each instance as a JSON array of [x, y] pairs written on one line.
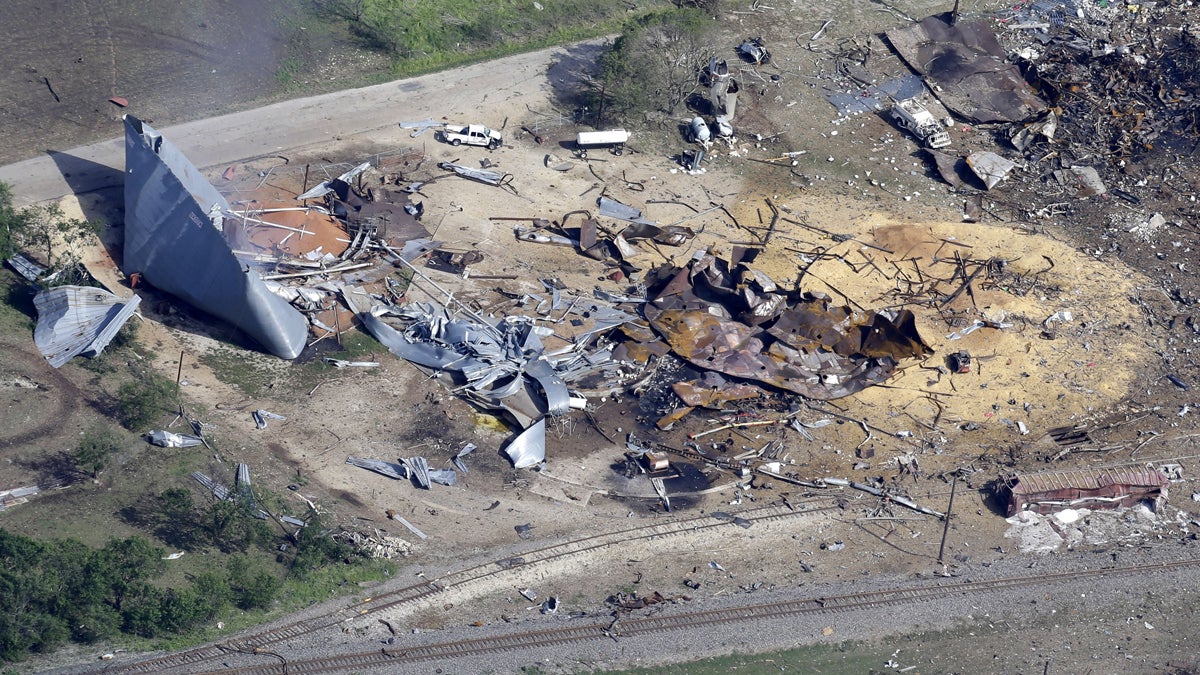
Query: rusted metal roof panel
[[1087, 479]]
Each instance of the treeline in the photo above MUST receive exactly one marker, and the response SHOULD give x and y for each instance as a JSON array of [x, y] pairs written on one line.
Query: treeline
[[60, 590]]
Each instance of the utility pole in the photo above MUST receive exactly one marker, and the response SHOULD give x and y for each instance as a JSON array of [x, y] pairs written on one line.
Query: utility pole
[[946, 528]]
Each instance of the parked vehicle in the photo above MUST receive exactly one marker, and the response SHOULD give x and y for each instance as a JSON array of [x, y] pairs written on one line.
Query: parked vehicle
[[912, 116], [613, 139], [471, 134]]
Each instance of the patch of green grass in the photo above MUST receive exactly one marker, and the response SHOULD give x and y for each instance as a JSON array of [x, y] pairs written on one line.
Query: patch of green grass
[[358, 346], [252, 373], [289, 73], [16, 312]]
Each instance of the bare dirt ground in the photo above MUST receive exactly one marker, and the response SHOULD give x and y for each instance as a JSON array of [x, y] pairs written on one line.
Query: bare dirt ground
[[1105, 369]]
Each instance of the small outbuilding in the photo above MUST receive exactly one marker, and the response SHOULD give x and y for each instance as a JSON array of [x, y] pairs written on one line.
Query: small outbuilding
[[1051, 491]]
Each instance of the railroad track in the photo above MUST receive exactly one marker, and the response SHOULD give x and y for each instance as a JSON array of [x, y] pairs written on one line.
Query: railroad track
[[261, 642], [607, 630]]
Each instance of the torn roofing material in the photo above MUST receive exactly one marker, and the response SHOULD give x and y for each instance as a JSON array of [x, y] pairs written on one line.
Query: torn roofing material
[[178, 239], [503, 364], [974, 78], [74, 320], [1051, 491]]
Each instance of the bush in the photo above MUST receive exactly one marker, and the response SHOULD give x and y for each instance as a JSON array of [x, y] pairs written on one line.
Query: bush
[[316, 549], [98, 444], [251, 586], [142, 400]]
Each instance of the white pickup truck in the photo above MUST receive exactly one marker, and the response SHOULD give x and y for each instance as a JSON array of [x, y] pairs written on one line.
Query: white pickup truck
[[471, 134], [913, 116]]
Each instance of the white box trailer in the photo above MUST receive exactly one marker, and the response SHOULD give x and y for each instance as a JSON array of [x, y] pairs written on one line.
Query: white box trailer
[[614, 139]]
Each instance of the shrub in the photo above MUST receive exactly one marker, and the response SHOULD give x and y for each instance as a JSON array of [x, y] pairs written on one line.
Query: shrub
[[144, 399]]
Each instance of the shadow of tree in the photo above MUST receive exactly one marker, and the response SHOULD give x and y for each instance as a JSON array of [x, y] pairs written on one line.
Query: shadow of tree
[[55, 469], [175, 529]]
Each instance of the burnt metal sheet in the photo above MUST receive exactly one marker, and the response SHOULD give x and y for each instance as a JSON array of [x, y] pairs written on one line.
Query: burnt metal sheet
[[707, 314], [974, 78], [176, 238], [74, 320], [872, 98], [712, 391]]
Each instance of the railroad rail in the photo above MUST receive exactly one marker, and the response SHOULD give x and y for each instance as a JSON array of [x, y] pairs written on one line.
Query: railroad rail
[[609, 630], [260, 643]]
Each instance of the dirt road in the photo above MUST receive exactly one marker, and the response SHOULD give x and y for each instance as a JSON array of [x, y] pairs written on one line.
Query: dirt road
[[328, 123]]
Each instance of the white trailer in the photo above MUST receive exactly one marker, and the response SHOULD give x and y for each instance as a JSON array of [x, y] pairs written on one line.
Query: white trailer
[[613, 139]]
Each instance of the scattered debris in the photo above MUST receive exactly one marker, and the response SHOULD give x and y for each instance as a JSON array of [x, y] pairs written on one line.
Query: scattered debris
[[15, 496], [261, 416], [166, 439], [755, 51]]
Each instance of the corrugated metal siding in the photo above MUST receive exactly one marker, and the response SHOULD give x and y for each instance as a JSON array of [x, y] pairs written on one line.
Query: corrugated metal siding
[[1109, 488], [73, 320], [1088, 479]]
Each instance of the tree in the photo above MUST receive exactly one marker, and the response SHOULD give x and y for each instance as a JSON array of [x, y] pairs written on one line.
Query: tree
[[94, 450], [142, 400], [252, 587], [655, 64], [232, 526], [124, 567], [13, 223], [48, 227], [316, 549], [45, 229]]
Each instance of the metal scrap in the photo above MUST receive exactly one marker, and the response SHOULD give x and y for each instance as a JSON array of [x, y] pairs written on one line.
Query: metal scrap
[[802, 344], [74, 320], [166, 439], [974, 78]]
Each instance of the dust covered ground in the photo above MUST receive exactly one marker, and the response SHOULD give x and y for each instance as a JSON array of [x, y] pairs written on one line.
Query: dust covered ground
[[900, 242]]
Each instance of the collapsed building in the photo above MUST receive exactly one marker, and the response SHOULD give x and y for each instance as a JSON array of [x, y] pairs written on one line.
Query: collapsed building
[[248, 265], [1050, 491]]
